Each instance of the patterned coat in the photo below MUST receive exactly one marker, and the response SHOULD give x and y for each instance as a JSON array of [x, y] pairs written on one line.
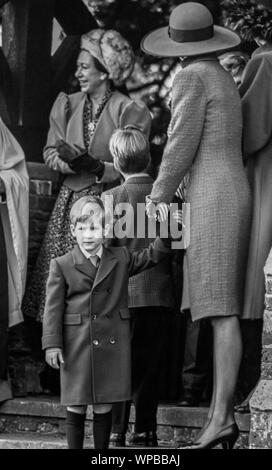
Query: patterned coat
[[205, 138], [256, 96]]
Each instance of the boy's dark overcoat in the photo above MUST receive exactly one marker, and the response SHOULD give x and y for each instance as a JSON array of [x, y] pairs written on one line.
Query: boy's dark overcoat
[[87, 315]]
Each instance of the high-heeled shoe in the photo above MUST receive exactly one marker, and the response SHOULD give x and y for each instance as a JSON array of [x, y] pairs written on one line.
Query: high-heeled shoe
[[226, 437]]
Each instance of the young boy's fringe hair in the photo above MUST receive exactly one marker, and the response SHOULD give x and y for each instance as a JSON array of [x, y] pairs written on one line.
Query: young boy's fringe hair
[[130, 150], [96, 209]]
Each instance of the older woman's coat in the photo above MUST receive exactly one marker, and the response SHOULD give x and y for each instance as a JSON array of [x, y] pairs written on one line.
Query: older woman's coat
[[256, 93], [205, 139], [66, 122]]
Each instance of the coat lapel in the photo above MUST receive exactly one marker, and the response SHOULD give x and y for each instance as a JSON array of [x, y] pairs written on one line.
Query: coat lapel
[[82, 264], [107, 264], [74, 132]]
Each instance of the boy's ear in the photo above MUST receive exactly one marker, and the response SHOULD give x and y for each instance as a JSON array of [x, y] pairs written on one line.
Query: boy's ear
[[73, 230]]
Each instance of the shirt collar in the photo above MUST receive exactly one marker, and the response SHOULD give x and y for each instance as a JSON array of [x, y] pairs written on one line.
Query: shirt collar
[[88, 255], [136, 175]]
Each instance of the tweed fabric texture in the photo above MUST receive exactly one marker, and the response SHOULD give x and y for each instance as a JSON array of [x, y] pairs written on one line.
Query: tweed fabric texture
[[205, 139], [154, 286]]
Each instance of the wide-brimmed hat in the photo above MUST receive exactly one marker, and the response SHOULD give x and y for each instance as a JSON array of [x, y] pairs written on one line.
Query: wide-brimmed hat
[[191, 31]]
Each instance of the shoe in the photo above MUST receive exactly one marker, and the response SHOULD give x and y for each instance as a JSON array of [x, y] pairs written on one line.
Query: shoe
[[117, 439], [188, 399], [227, 437], [144, 439]]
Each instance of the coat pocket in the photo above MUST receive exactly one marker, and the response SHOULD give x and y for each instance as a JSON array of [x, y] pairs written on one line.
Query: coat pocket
[[124, 313], [72, 319]]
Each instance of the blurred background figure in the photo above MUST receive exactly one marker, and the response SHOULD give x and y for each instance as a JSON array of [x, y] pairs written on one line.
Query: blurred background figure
[[234, 62], [14, 187]]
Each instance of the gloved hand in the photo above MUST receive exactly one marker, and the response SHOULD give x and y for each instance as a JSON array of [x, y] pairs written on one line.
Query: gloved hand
[[87, 163], [66, 152]]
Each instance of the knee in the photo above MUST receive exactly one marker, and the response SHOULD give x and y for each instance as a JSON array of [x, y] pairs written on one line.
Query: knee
[[80, 409]]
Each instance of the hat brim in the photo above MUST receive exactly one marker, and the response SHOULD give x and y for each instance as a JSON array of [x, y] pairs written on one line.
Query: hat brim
[[159, 44]]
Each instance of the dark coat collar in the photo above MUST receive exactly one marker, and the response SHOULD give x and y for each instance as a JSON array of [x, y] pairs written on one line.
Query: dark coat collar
[[263, 49], [82, 264], [200, 58]]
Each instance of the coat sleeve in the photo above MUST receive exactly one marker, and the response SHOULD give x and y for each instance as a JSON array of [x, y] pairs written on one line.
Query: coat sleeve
[[141, 260], [184, 134], [255, 91], [58, 121], [54, 308]]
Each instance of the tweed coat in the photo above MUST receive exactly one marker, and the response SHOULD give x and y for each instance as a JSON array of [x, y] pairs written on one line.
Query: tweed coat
[[205, 139], [256, 94], [154, 286], [66, 122], [87, 315]]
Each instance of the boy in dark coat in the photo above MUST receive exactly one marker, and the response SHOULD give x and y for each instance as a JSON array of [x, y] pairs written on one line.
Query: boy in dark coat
[[86, 328], [150, 295]]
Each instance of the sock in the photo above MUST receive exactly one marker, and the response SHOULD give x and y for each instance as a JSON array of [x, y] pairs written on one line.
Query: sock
[[75, 430], [101, 429]]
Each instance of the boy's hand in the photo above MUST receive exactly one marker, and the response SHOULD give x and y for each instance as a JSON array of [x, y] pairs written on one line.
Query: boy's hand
[[54, 357], [158, 211], [178, 217]]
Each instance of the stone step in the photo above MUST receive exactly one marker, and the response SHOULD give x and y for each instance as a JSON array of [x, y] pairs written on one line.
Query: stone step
[[30, 441], [45, 417]]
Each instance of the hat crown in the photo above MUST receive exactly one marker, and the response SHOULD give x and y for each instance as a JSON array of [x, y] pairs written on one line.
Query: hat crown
[[190, 16]]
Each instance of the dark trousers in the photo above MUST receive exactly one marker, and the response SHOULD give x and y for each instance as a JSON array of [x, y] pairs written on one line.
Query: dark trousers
[[197, 365], [3, 306], [148, 331]]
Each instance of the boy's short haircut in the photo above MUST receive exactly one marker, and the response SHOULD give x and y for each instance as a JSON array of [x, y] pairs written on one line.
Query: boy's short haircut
[[98, 209], [130, 150]]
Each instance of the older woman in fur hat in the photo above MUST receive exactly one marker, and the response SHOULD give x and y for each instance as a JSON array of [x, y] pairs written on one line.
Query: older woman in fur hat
[[81, 125], [205, 136]]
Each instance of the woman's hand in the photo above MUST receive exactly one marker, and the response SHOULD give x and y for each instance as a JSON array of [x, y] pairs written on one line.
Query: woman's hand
[[156, 210], [67, 153], [54, 357], [52, 156]]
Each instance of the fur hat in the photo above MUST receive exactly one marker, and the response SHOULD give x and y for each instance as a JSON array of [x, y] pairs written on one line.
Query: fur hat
[[113, 52]]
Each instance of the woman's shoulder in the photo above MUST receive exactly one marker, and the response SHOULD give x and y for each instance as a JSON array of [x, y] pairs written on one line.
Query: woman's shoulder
[[119, 99], [122, 105], [64, 98]]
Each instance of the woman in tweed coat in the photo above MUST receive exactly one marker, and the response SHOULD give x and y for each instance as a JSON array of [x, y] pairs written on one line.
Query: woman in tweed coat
[[205, 140]]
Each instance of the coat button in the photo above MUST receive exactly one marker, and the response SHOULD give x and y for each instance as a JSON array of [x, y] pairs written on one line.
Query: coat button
[[94, 316], [95, 342], [112, 341]]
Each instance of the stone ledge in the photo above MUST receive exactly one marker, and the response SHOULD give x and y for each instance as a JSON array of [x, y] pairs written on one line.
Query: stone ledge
[[268, 264], [168, 414], [261, 399], [31, 441], [40, 171]]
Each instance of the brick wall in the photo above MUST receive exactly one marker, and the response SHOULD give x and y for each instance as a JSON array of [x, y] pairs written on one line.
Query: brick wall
[[25, 357], [44, 185], [261, 401]]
